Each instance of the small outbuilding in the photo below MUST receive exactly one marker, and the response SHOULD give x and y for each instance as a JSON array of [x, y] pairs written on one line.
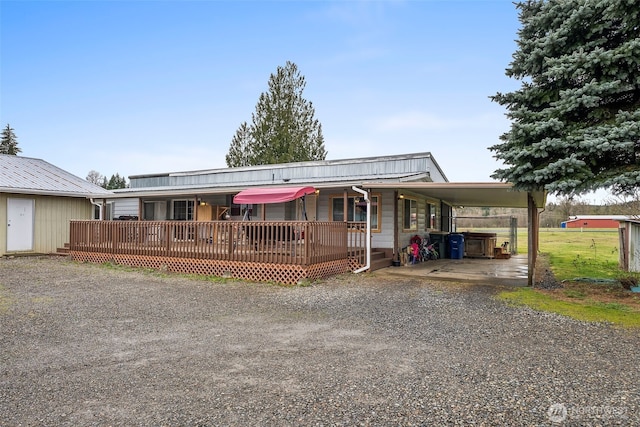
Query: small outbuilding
[[593, 221], [630, 245], [37, 202]]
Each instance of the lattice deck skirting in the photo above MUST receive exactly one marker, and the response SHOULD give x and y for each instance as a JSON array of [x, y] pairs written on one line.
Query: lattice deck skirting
[[258, 272]]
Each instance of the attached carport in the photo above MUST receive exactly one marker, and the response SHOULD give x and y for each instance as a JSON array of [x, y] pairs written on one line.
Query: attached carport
[[488, 194]]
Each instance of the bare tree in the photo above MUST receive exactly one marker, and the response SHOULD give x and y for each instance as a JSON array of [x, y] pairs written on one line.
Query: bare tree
[[96, 178]]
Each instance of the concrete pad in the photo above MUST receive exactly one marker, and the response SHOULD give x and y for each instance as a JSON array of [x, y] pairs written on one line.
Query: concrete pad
[[512, 271]]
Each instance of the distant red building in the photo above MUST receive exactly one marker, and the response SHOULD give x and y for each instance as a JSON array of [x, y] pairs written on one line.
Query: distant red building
[[594, 221]]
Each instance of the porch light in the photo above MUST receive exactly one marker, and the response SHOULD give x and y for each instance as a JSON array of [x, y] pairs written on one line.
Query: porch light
[[401, 196], [203, 203], [317, 191]]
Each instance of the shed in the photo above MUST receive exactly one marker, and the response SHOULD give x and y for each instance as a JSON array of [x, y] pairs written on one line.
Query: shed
[[37, 201], [629, 233], [593, 221]]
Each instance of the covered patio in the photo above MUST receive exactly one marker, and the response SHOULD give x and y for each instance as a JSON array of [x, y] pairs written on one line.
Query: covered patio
[[486, 194]]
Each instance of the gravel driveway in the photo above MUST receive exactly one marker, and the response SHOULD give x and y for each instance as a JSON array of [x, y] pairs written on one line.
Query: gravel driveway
[[85, 345]]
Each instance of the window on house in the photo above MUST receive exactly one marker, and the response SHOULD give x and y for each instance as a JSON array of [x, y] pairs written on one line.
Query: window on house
[[96, 211], [183, 210], [356, 209], [410, 214], [432, 216], [148, 211]]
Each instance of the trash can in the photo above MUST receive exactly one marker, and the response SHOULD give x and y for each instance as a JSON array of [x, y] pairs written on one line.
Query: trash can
[[456, 246], [441, 242]]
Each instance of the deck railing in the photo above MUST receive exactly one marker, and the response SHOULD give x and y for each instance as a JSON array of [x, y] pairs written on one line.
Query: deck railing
[[285, 242]]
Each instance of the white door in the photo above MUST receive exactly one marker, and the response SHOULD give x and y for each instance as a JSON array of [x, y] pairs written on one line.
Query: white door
[[20, 224]]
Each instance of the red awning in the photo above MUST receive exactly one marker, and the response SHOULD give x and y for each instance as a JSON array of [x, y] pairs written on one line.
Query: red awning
[[259, 196]]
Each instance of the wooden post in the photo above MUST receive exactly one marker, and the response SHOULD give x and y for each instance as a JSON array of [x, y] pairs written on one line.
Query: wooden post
[[345, 206], [396, 238], [533, 240]]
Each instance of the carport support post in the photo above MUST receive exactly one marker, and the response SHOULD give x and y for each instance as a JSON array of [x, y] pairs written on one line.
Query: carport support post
[[396, 238], [532, 241]]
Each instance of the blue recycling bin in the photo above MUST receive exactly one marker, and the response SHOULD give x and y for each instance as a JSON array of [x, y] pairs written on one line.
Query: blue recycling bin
[[456, 246]]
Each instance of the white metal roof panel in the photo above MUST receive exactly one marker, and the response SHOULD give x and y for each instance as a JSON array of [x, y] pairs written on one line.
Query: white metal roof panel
[[228, 188], [300, 172], [25, 175]]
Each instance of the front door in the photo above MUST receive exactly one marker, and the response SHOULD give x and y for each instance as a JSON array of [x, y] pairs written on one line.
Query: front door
[[20, 224]]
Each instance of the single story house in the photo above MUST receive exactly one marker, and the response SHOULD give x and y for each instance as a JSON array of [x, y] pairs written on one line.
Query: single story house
[[593, 221], [380, 202], [37, 202]]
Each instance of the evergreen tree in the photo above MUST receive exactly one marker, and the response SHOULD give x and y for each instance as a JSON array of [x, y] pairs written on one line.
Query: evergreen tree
[[240, 150], [283, 127], [576, 117], [115, 182], [9, 142]]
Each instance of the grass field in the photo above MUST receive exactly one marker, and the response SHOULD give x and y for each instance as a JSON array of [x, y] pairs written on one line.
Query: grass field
[[579, 254], [586, 262]]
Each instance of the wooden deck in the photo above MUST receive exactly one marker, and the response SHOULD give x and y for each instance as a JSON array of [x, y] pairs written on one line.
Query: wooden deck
[[279, 251]]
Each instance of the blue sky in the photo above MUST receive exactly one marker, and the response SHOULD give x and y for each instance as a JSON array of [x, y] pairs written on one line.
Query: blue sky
[[135, 87]]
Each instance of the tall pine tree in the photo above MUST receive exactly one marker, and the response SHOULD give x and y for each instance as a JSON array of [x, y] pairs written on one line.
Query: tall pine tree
[[116, 181], [240, 151], [576, 117], [9, 142], [283, 127]]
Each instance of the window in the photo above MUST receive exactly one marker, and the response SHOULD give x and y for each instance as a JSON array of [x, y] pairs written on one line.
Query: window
[[432, 217], [183, 210], [410, 214], [148, 211], [356, 209]]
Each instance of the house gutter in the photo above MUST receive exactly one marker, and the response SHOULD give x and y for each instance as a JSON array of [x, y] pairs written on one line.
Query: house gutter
[[368, 238]]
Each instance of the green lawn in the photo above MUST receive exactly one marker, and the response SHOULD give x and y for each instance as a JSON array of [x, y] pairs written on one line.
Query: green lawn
[[582, 308], [578, 254]]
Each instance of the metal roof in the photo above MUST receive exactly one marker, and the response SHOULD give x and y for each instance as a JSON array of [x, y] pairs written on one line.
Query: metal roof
[[611, 217], [299, 173], [318, 164], [472, 194], [235, 187], [25, 175]]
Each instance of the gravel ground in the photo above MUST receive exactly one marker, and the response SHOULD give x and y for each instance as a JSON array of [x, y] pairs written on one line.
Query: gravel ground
[[89, 345]]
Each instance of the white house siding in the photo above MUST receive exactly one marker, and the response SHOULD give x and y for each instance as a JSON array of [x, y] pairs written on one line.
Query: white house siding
[[125, 207], [51, 220], [382, 239], [3, 223], [630, 246], [634, 247]]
